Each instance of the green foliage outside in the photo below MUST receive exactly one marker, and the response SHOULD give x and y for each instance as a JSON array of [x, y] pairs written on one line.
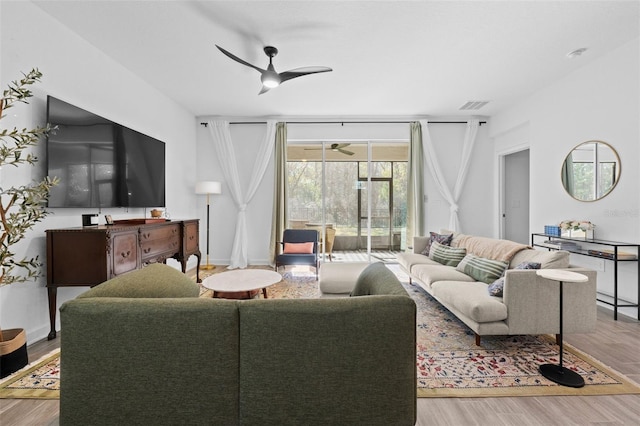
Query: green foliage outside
[[341, 194], [583, 184]]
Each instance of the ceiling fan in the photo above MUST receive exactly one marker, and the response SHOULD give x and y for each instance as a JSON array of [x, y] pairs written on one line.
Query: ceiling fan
[[337, 147], [269, 77]]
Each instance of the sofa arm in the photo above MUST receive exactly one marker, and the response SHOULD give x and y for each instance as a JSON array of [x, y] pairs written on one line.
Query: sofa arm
[[377, 279], [533, 303], [419, 244]]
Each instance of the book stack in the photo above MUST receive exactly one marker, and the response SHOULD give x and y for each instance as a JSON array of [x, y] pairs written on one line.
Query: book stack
[[609, 254], [563, 245]]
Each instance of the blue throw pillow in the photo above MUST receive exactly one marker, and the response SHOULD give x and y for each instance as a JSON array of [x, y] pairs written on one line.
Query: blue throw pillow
[[496, 288]]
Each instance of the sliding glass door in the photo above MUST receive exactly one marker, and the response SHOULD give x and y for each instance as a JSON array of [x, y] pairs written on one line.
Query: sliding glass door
[[353, 192]]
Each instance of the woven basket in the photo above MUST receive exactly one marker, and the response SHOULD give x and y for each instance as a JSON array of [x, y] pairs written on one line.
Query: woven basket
[[13, 351]]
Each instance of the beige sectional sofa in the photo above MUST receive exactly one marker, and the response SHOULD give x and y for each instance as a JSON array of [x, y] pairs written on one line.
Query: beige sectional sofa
[[529, 304]]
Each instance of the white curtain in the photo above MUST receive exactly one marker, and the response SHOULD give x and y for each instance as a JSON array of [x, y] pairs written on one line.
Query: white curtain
[[224, 149], [434, 166]]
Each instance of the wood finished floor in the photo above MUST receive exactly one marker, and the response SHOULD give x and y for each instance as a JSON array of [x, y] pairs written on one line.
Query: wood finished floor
[[615, 343]]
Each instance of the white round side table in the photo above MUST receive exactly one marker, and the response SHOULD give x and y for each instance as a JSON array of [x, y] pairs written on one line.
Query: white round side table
[[558, 373]]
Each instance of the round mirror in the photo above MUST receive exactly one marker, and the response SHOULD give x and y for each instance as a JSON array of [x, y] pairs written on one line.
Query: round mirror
[[591, 171]]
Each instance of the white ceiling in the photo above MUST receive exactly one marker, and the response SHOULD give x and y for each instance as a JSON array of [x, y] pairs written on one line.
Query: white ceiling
[[389, 58]]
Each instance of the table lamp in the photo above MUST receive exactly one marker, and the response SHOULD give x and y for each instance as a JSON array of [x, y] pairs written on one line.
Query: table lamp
[[208, 188]]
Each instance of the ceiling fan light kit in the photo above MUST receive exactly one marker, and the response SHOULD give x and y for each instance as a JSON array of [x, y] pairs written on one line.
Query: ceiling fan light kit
[[269, 77]]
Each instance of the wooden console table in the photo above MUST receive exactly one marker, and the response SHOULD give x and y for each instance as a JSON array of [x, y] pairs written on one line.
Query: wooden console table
[[88, 256], [602, 249]]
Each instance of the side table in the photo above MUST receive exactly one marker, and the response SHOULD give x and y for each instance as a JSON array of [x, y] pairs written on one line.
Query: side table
[[558, 373]]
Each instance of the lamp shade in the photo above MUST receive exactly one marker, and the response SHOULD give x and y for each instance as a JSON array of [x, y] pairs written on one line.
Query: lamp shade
[[208, 187]]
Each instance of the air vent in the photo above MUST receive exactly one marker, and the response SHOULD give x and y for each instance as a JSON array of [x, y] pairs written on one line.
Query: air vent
[[473, 105]]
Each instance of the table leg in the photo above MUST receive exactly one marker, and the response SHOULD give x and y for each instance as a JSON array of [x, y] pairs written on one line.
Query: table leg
[[264, 292], [52, 293], [558, 373]]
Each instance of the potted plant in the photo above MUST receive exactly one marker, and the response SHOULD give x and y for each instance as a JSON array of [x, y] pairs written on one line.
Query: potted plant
[[21, 207]]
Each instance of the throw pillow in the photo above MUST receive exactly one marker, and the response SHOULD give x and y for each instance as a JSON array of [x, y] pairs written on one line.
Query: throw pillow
[[481, 269], [446, 255], [440, 238], [298, 248], [496, 288]]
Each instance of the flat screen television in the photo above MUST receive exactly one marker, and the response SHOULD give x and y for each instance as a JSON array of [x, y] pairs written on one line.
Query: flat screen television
[[101, 163]]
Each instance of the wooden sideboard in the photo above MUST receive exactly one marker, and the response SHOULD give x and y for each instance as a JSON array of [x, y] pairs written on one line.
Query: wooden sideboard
[[88, 256]]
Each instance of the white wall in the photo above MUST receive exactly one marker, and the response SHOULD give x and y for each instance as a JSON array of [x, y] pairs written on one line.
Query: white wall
[[78, 73], [599, 101]]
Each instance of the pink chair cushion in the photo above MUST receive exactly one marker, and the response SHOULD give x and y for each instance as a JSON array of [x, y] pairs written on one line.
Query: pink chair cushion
[[298, 248]]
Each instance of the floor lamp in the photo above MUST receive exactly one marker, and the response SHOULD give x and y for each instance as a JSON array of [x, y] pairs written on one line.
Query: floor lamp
[[208, 188]]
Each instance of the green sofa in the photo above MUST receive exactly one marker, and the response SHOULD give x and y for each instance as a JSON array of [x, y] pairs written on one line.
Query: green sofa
[[144, 349]]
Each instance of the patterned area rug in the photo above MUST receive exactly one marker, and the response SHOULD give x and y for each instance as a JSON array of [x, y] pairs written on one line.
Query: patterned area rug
[[449, 364], [40, 379]]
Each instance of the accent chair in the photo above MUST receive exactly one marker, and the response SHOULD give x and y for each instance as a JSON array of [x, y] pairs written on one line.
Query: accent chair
[[299, 247]]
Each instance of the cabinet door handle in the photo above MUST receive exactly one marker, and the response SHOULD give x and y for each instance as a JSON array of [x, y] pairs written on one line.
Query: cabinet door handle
[[147, 250], [125, 254]]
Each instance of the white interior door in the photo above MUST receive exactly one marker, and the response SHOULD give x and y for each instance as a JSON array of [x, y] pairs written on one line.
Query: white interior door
[[515, 214]]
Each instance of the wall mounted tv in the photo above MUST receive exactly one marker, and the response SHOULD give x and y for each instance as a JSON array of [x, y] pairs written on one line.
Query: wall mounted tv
[[100, 163]]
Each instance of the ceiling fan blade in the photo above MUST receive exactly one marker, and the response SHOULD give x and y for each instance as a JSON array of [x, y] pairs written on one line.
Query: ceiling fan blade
[[344, 151], [235, 58], [342, 145], [299, 72]]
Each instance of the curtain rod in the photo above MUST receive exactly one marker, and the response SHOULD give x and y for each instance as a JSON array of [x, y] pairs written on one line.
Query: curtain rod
[[349, 122]]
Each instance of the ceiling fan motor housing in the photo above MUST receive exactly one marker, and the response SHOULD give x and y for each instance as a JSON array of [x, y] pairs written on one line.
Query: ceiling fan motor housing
[[270, 51]]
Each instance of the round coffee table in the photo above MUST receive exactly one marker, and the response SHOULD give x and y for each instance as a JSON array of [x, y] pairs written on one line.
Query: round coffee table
[[241, 283]]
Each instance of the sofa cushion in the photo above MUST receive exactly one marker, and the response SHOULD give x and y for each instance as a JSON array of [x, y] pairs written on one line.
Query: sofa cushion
[[547, 259], [159, 361], [156, 280], [440, 238], [428, 274], [303, 362], [470, 298], [448, 256], [408, 260], [496, 288], [485, 270]]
